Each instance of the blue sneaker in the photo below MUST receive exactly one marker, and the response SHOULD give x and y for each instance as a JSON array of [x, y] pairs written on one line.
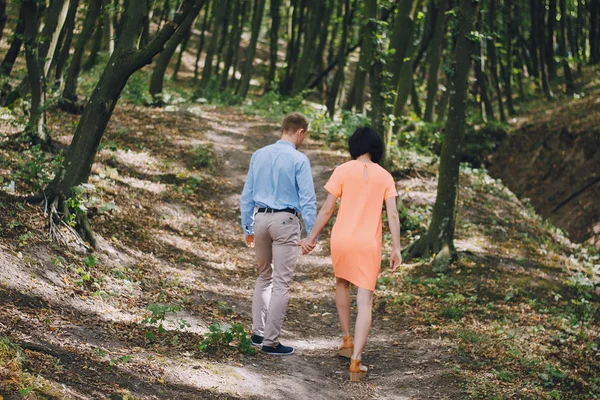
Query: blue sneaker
[[279, 350], [257, 340]]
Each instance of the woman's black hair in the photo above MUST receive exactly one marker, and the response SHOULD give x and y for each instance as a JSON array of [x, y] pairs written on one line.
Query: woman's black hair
[[365, 140]]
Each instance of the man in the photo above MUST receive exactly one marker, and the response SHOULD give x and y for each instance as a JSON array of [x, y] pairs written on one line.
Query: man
[[280, 187]]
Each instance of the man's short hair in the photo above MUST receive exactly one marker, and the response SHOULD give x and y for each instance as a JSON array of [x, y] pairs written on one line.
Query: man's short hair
[[365, 140], [294, 121]]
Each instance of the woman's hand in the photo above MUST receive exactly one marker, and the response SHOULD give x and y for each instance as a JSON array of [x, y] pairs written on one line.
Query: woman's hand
[[395, 259], [307, 245]]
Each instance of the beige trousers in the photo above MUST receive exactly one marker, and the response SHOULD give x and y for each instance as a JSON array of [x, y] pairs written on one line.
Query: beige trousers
[[276, 237]]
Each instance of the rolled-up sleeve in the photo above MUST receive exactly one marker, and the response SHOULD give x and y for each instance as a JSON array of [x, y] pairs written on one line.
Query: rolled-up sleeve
[[306, 194], [247, 202]]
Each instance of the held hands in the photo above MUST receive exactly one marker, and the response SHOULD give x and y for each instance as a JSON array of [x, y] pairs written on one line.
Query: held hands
[[307, 245], [395, 259], [249, 240]]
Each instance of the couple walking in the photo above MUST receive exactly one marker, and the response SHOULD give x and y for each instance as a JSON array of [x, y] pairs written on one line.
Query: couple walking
[[279, 188]]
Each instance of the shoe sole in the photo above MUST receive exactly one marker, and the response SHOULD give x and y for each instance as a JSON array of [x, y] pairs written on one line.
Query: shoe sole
[[346, 353], [279, 354], [256, 344]]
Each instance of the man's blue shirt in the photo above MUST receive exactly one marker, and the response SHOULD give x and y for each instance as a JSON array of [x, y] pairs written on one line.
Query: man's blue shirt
[[279, 177]]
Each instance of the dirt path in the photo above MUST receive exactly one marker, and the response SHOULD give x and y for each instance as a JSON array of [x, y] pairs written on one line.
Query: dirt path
[[401, 367], [176, 239]]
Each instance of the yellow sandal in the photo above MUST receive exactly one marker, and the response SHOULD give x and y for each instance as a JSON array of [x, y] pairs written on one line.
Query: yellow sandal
[[357, 370], [347, 347]]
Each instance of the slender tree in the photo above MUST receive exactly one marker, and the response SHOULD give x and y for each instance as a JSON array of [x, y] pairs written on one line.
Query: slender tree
[[15, 46], [338, 79], [69, 101], [510, 33], [549, 47], [207, 71], [273, 42], [562, 48], [594, 32], [439, 239], [206, 22], [125, 60], [356, 97], [434, 59], [257, 16], [162, 62], [65, 47], [493, 57], [35, 73], [2, 16]]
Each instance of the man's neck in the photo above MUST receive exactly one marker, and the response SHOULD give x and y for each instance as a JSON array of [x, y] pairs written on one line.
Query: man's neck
[[288, 139]]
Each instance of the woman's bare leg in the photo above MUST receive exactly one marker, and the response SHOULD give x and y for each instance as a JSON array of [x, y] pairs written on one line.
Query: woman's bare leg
[[342, 302], [364, 302]]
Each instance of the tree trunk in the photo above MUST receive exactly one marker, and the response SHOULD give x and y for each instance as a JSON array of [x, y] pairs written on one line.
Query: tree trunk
[[54, 20], [405, 78], [96, 44], [273, 42], [238, 42], [434, 58], [439, 239], [63, 55], [356, 98], [491, 47], [487, 110], [338, 79], [15, 46], [310, 50], [206, 22], [401, 35], [182, 49], [162, 62], [562, 48], [69, 96], [549, 49], [35, 127], [510, 34], [320, 56], [594, 33], [2, 16], [224, 35], [285, 86], [233, 44], [542, 50], [533, 41], [376, 80], [218, 12], [124, 61], [259, 6], [331, 52], [109, 27], [145, 38]]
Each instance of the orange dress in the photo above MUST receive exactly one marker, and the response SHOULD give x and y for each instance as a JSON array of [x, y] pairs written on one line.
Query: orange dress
[[356, 237]]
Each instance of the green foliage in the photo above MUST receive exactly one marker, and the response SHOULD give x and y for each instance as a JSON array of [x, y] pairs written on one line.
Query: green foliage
[[422, 137], [158, 314], [203, 157], [275, 106], [36, 169], [220, 337], [213, 94], [136, 89], [337, 131]]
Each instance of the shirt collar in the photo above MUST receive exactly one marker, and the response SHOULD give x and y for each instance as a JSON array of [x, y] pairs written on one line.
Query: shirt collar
[[285, 142]]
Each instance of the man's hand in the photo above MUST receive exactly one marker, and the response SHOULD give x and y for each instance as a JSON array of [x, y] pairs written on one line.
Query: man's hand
[[395, 259], [307, 245], [249, 239]]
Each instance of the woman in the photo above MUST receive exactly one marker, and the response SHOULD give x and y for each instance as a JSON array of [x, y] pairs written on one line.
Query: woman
[[362, 186]]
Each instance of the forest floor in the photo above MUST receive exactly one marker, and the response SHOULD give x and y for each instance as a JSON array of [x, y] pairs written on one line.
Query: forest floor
[[514, 316]]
